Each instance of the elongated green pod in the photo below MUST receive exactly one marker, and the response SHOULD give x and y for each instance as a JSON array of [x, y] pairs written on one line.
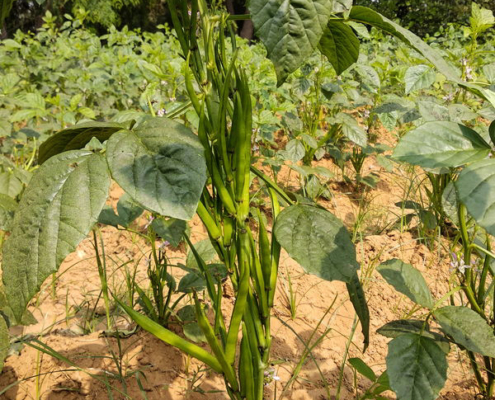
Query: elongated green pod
[[224, 100], [254, 346], [275, 248], [265, 252], [235, 130], [243, 143], [207, 329], [228, 231], [209, 222], [171, 338], [255, 317], [237, 314], [222, 190], [257, 274], [246, 373]]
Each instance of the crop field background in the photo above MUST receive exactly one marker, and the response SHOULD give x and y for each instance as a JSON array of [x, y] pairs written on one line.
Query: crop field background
[[367, 128]]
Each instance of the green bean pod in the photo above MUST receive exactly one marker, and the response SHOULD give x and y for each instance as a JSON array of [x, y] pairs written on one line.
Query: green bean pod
[[222, 190], [209, 222], [246, 373], [235, 130], [171, 338], [265, 252], [275, 248], [257, 274], [207, 329], [239, 307], [228, 231], [243, 144]]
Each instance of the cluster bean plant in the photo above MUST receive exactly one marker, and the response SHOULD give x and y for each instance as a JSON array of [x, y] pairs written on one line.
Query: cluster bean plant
[[170, 171], [198, 159]]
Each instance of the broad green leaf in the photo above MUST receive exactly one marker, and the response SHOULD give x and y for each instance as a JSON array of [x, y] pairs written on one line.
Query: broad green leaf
[[441, 144], [160, 165], [10, 185], [194, 333], [476, 189], [127, 210], [358, 300], [205, 250], [7, 208], [450, 202], [492, 132], [318, 241], [340, 45], [417, 367], [352, 131], [419, 77], [489, 72], [290, 30], [294, 150], [467, 328], [172, 230], [56, 212], [363, 368], [4, 341], [481, 19], [407, 280], [76, 137], [431, 111], [396, 328]]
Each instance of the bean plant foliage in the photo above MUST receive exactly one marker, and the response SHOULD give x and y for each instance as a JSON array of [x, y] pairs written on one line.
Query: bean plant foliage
[[176, 171]]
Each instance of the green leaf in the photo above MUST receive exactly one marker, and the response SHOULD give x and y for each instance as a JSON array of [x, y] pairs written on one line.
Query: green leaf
[[171, 230], [205, 250], [352, 131], [76, 137], [476, 189], [56, 212], [492, 132], [467, 328], [481, 19], [318, 241], [340, 45], [450, 202], [10, 185], [127, 209], [419, 77], [294, 150], [396, 328], [7, 208], [407, 280], [4, 341], [358, 300], [194, 333], [417, 367], [441, 144], [160, 165], [363, 368], [290, 30]]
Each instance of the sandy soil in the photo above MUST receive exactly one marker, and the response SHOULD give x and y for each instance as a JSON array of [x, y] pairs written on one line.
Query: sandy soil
[[157, 371]]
